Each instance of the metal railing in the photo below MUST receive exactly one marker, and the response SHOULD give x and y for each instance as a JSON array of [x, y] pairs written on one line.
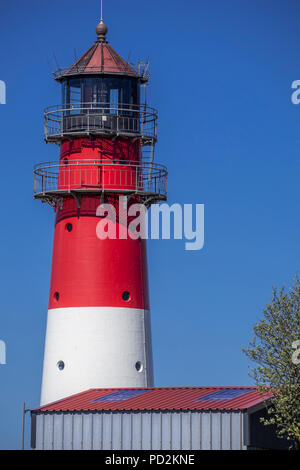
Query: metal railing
[[101, 119], [53, 179], [140, 69]]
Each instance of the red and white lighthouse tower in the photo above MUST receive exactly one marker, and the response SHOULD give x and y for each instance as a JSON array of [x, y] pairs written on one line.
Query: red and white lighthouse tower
[[98, 328]]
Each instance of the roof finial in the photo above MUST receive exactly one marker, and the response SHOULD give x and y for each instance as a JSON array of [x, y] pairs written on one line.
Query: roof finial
[[101, 29]]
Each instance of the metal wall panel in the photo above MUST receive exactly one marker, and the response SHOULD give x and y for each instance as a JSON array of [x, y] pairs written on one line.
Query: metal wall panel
[[196, 431], [184, 430], [57, 432], [66, 432]]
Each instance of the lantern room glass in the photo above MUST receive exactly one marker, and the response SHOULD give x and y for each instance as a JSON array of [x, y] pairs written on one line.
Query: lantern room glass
[[111, 92]]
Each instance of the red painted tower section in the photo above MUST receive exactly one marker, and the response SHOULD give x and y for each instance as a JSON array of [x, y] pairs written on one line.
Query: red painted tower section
[[101, 270], [98, 329]]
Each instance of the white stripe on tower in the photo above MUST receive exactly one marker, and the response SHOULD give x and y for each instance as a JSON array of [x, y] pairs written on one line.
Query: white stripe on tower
[[96, 347]]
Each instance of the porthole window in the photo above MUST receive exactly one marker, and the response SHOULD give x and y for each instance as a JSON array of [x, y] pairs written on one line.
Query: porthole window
[[60, 365], [66, 161], [69, 227], [56, 296], [139, 366], [126, 296]]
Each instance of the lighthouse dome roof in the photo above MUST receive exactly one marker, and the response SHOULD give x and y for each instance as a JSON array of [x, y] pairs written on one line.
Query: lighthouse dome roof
[[101, 59]]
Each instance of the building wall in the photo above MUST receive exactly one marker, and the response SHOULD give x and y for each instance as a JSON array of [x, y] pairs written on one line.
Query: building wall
[[180, 430], [259, 436]]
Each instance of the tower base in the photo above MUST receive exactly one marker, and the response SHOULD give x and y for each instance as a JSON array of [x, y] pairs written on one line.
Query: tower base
[[96, 347]]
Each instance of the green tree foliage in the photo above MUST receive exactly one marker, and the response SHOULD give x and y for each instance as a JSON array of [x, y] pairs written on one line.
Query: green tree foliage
[[277, 367]]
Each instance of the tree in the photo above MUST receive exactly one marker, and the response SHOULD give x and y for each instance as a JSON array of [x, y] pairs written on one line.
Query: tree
[[277, 369]]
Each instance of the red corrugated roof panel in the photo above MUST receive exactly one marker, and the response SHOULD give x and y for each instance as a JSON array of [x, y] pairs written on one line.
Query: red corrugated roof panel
[[167, 398]]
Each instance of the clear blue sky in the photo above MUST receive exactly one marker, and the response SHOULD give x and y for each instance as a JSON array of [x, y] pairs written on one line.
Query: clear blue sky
[[229, 134]]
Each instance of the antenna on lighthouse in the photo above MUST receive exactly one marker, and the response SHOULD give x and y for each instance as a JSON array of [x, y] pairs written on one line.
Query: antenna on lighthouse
[[101, 29], [101, 19]]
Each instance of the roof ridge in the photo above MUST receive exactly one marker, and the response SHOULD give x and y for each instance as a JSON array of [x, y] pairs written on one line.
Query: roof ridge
[[150, 388]]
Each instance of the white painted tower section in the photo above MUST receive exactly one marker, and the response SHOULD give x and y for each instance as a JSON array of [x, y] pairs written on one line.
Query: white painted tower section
[[100, 347]]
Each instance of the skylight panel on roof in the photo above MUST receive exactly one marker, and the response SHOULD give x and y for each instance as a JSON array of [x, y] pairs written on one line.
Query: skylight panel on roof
[[225, 394], [120, 396]]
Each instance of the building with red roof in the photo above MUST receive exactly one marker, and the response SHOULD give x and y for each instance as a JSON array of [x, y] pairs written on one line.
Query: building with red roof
[[164, 418]]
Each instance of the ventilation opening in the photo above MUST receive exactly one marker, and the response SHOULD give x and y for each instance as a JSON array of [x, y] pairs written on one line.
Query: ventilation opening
[[126, 296], [139, 366], [60, 365]]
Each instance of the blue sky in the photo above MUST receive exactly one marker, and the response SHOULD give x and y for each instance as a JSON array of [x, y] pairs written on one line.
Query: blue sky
[[229, 134]]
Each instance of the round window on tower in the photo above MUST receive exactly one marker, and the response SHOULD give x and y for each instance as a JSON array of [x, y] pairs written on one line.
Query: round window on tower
[[139, 366], [56, 296], [126, 296], [69, 227], [60, 365], [66, 161]]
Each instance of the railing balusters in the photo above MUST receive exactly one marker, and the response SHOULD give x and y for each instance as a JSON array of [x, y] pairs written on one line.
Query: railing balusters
[[79, 119], [131, 176], [69, 178]]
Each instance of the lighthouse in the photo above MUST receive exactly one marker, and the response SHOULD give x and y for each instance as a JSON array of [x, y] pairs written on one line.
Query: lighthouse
[[98, 326]]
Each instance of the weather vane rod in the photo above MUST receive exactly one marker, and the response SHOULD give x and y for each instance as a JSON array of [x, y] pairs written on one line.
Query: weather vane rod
[[101, 20]]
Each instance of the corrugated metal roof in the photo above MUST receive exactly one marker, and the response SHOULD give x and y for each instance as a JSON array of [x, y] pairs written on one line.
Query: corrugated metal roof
[[167, 398]]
